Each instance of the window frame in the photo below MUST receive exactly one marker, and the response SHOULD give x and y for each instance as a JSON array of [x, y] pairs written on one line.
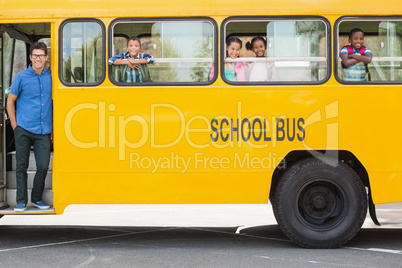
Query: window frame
[[337, 51], [163, 19], [60, 71], [276, 18]]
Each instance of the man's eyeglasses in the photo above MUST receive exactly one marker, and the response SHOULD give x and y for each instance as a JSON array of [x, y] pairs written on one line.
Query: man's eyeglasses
[[42, 57]]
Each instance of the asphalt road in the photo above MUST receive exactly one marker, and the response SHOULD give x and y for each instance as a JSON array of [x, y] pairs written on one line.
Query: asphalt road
[[185, 236]]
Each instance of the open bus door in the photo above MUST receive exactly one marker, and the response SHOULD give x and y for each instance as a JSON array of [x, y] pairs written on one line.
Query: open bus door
[[12, 46], [15, 43], [3, 188]]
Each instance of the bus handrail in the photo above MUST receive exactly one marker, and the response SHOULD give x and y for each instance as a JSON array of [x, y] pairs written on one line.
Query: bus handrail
[[165, 60], [265, 59], [269, 59]]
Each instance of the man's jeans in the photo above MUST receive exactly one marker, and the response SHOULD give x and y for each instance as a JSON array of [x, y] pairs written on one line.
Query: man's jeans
[[42, 147]]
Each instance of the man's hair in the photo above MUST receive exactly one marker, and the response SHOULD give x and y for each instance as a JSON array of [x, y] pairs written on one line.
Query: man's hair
[[134, 38], [355, 30], [38, 45]]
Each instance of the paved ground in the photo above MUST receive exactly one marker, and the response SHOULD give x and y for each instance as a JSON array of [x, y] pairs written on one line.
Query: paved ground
[[185, 236]]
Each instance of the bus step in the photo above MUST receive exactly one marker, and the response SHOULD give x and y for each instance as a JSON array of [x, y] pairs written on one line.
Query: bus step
[[12, 195], [29, 210], [11, 161], [12, 179]]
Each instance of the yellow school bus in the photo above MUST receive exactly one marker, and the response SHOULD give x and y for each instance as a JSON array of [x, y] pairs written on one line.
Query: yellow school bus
[[321, 149]]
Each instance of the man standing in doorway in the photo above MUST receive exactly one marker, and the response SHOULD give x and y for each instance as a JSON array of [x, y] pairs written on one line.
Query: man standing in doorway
[[30, 108]]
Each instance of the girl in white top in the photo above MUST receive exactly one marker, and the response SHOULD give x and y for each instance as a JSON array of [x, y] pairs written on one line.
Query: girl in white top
[[260, 71]]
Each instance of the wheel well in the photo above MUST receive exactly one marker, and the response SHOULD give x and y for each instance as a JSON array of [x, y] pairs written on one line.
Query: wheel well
[[296, 156]]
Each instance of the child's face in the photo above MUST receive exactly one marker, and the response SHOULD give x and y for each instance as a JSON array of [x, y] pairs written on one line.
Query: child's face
[[259, 48], [357, 40], [233, 50], [133, 47]]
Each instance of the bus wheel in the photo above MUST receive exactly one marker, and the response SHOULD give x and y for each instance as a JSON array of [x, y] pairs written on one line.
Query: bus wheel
[[318, 205]]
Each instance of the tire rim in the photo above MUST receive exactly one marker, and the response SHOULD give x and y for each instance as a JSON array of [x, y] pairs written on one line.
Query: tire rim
[[321, 204]]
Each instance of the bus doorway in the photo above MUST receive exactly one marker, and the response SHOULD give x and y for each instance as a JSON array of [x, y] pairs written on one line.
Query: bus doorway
[[3, 189], [15, 43]]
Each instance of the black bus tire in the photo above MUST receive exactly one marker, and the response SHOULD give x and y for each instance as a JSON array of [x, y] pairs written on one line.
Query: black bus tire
[[319, 205]]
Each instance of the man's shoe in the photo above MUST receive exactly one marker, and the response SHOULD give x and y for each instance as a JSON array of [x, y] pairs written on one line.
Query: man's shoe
[[40, 205], [21, 207]]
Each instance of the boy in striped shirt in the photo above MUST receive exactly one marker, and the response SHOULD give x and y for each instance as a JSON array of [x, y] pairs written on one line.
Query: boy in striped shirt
[[134, 63], [355, 57]]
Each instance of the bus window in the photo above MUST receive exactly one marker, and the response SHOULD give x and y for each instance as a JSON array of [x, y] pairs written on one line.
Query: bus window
[[20, 57], [82, 52], [384, 39], [8, 44], [15, 58], [296, 51], [183, 50]]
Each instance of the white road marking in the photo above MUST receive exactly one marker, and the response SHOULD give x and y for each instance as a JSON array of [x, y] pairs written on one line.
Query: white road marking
[[382, 250], [81, 240], [88, 261], [247, 235]]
